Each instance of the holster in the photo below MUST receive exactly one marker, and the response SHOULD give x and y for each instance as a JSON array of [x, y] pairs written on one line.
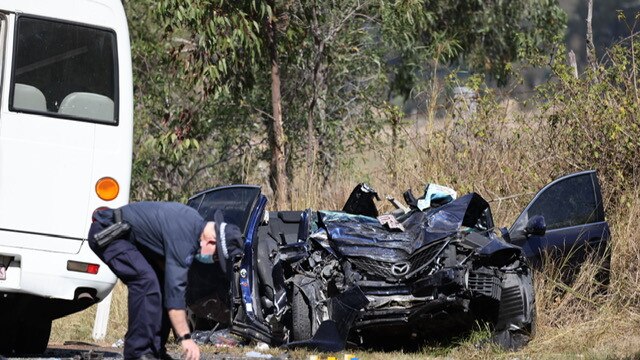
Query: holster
[[117, 230]]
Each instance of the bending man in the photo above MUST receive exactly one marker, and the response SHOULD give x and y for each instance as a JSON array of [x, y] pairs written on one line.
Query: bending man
[[152, 259]]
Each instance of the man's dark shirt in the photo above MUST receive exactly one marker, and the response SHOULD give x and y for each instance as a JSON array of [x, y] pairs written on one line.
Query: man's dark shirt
[[171, 230]]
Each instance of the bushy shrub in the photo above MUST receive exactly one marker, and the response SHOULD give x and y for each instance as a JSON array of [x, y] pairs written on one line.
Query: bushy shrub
[[593, 120]]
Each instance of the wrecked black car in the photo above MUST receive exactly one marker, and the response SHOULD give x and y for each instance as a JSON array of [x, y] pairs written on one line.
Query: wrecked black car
[[323, 279]]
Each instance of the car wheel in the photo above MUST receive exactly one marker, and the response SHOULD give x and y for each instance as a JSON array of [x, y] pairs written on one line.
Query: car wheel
[[517, 315], [301, 315]]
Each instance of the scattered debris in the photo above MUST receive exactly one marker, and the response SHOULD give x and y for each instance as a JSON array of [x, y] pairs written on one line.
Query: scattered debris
[[220, 338], [118, 344], [90, 355]]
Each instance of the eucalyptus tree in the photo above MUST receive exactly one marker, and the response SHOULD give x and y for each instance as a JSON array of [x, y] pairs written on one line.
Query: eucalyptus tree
[[200, 65], [359, 54], [477, 35], [216, 61], [316, 76]]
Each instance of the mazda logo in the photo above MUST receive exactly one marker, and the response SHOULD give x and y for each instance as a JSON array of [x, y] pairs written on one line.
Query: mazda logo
[[400, 269]]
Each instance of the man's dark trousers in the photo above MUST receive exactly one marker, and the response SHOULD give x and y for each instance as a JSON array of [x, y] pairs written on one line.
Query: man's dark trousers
[[148, 326]]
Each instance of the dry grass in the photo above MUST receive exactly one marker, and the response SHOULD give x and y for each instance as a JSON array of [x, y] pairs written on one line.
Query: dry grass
[[499, 154]]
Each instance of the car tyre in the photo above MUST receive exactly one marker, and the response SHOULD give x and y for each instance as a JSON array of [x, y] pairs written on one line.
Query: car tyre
[[516, 329], [301, 315]]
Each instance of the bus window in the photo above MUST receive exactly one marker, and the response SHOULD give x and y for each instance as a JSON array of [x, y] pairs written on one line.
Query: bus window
[[64, 70]]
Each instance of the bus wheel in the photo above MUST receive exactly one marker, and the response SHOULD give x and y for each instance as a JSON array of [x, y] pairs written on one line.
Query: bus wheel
[[29, 338]]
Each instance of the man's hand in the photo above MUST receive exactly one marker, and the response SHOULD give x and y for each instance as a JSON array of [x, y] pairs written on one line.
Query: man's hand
[[190, 350], [178, 318]]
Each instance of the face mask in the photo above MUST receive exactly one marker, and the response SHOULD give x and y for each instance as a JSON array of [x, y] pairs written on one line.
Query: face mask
[[205, 259]]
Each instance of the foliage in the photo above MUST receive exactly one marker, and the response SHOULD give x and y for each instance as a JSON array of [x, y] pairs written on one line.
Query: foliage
[[188, 122], [607, 29], [594, 119], [481, 36], [336, 84], [203, 86]]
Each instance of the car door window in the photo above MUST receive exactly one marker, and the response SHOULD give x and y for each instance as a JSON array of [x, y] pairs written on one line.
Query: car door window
[[236, 202], [568, 202]]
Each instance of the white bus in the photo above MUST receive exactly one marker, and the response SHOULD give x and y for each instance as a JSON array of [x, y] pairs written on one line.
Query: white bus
[[66, 124]]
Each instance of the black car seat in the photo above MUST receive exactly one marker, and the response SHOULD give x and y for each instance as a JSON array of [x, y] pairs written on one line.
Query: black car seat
[[282, 229]]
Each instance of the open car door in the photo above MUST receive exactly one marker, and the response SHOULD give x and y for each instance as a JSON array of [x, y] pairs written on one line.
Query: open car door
[[208, 292], [574, 215]]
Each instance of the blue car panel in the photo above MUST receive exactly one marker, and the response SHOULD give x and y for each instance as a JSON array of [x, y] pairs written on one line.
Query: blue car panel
[[574, 214]]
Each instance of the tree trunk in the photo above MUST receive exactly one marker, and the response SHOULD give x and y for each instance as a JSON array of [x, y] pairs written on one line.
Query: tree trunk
[[395, 125], [278, 177], [311, 141], [312, 146], [316, 118], [591, 49]]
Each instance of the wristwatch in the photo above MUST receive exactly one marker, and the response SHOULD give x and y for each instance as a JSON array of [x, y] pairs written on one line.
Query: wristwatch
[[186, 336]]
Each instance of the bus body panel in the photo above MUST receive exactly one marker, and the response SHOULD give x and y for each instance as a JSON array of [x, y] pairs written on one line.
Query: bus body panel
[[32, 273], [45, 174], [50, 163]]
